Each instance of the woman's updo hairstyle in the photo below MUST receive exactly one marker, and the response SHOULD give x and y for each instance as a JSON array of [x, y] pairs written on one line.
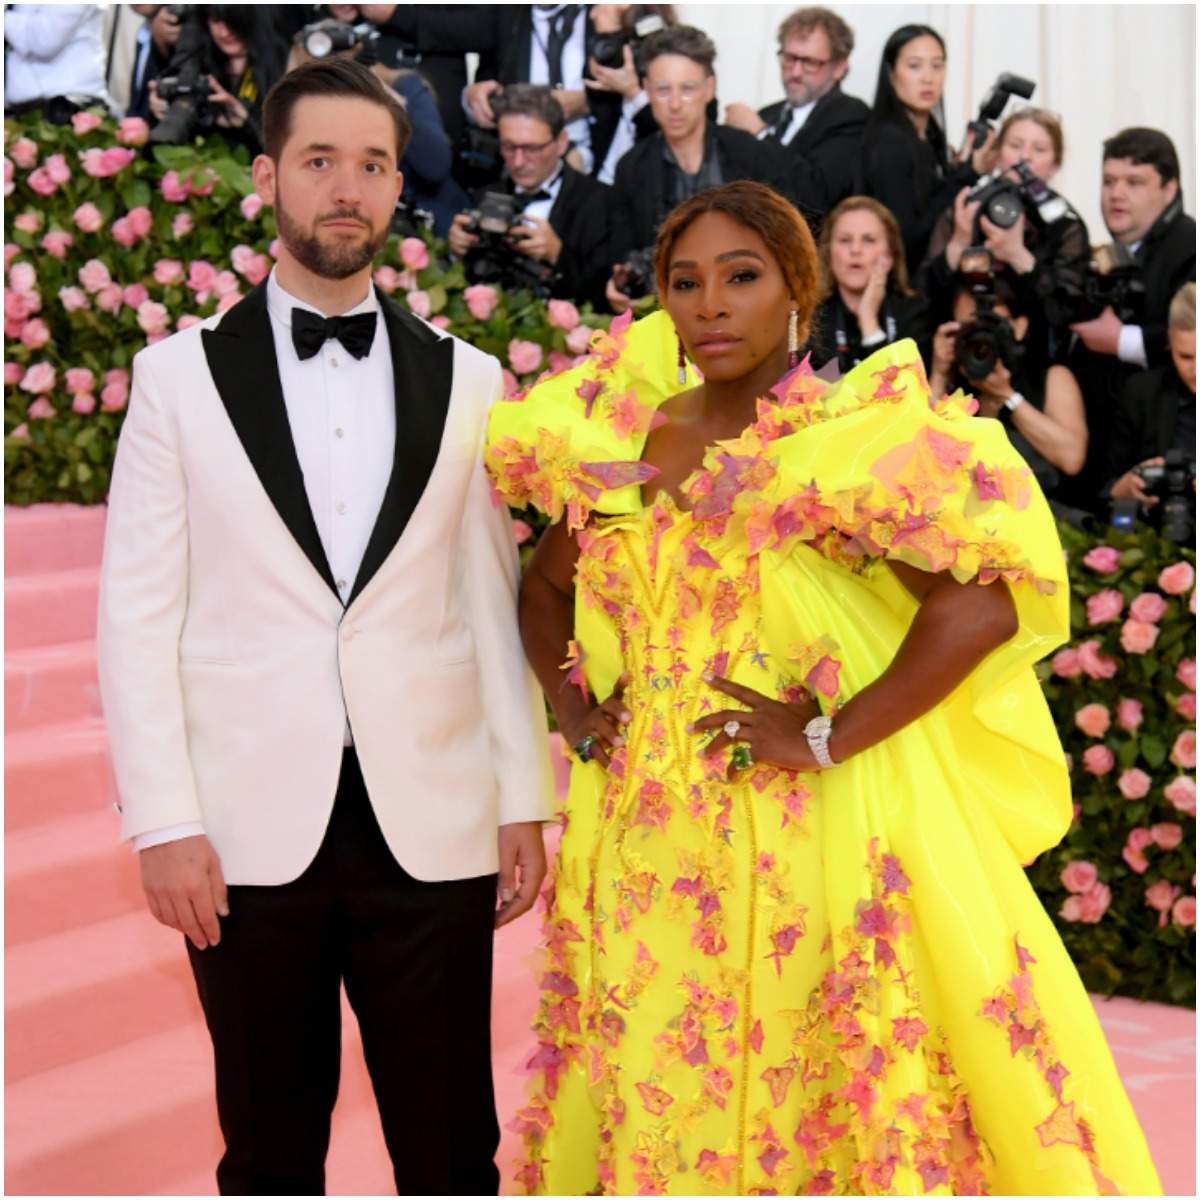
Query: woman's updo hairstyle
[[768, 214]]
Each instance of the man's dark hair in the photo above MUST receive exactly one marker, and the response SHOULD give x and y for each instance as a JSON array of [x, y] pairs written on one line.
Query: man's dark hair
[[1151, 147], [684, 40], [328, 77], [805, 20], [530, 100]]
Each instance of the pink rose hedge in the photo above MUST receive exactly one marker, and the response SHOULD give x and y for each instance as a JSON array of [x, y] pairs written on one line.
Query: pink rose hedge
[[1121, 884]]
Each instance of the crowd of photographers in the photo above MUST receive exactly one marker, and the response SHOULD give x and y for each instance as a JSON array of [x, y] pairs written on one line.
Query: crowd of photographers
[[552, 165]]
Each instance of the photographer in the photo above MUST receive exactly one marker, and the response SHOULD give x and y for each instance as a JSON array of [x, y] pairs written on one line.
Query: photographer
[[562, 216], [865, 300], [1157, 414], [156, 41], [819, 124], [1040, 406], [1045, 262], [686, 155], [227, 59]]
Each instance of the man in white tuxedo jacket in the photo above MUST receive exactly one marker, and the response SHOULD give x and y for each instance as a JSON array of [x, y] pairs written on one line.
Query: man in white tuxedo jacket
[[330, 752]]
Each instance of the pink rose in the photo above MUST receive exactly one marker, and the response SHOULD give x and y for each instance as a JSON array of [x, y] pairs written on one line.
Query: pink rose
[[523, 356], [22, 277], [24, 152], [133, 131], [39, 378], [1184, 911], [1129, 714], [578, 339], [12, 373], [168, 271], [226, 283], [208, 180], [521, 531], [481, 301], [251, 206], [1133, 852], [1161, 896], [273, 248], [188, 320], [202, 278], [1149, 607], [227, 301], [94, 275], [83, 403], [35, 334], [141, 220], [79, 379], [1181, 792], [1134, 784], [173, 190], [511, 384], [1167, 835], [182, 225], [11, 250], [1096, 665], [41, 409], [1137, 637], [57, 168], [114, 398], [1078, 876], [73, 299], [408, 281], [1186, 673], [109, 299], [84, 122], [562, 314], [9, 186], [1094, 903], [21, 433], [414, 254], [56, 243], [559, 361], [153, 317], [1098, 760], [102, 164], [123, 233], [28, 222], [418, 302], [1185, 706], [88, 218], [42, 182], [1104, 560], [441, 321], [1177, 579], [253, 267], [387, 278], [1070, 909], [1093, 720], [1183, 753]]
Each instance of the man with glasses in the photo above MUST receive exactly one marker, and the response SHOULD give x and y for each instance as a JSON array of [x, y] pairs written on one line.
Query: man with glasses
[[688, 153], [564, 215], [818, 123]]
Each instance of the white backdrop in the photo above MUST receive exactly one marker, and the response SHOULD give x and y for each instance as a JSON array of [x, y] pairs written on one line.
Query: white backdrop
[[1100, 67]]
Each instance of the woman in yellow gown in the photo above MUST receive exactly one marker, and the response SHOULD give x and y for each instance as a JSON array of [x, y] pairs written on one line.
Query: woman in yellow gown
[[764, 976]]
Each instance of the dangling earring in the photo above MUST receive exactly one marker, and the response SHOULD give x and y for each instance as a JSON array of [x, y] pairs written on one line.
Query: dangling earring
[[793, 339], [683, 375]]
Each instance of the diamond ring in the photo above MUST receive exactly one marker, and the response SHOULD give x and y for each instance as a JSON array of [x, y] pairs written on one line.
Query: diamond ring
[[732, 728]]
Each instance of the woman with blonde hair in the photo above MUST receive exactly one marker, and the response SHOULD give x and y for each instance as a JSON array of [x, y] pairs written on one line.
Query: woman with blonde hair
[[865, 300]]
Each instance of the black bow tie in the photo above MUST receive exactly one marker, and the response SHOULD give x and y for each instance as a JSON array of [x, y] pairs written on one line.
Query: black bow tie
[[310, 331]]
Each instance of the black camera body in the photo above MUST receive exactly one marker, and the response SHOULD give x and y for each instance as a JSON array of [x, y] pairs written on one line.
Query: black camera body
[[1003, 199], [188, 109], [980, 344], [1006, 85], [1174, 483], [494, 258], [608, 49], [638, 274], [1113, 280]]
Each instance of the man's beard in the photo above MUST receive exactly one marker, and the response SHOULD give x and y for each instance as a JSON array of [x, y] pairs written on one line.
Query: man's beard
[[337, 260]]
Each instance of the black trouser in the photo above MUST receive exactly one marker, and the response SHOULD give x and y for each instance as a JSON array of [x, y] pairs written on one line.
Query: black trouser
[[416, 959]]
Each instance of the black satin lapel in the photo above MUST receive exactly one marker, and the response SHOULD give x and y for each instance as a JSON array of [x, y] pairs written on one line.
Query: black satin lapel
[[423, 371], [241, 358]]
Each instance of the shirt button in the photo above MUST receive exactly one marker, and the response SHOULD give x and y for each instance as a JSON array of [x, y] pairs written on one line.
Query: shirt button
[[341, 509], [333, 362], [339, 433], [341, 585]]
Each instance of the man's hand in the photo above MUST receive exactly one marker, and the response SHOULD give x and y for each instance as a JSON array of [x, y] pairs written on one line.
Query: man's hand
[[535, 238], [1101, 334], [185, 888], [1008, 245], [164, 30], [742, 116], [617, 300], [236, 113], [1131, 486], [459, 238], [522, 869], [623, 79], [479, 102], [158, 106], [964, 228]]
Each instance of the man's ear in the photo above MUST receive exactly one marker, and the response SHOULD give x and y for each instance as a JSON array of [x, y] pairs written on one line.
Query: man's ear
[[840, 69], [710, 89], [262, 171]]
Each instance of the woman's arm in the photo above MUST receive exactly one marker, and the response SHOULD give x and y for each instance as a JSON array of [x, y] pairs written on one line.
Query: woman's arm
[[1060, 433]]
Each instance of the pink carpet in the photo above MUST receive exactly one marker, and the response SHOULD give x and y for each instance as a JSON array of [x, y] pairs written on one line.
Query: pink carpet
[[108, 1067]]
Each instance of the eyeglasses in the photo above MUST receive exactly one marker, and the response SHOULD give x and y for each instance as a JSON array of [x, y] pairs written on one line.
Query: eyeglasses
[[809, 65], [512, 149], [687, 92]]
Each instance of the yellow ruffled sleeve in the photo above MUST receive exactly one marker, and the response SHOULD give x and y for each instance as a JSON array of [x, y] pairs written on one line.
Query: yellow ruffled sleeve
[[573, 442]]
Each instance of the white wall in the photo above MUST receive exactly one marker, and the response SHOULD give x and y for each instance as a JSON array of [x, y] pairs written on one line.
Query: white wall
[[1100, 67]]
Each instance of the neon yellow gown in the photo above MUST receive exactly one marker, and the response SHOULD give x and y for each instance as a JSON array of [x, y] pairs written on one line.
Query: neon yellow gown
[[833, 984]]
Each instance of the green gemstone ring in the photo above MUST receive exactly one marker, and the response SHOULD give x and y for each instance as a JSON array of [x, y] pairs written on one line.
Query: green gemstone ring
[[741, 758], [583, 748]]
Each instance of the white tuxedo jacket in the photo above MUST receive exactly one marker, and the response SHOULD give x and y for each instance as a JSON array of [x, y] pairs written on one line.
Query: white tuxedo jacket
[[225, 650]]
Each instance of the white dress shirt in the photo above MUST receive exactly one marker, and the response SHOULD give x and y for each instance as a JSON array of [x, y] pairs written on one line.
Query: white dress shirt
[[799, 115], [574, 60], [624, 137], [342, 414], [53, 50], [1131, 341]]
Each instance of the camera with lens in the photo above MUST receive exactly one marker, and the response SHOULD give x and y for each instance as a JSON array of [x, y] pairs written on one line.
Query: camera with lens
[[980, 344], [608, 49], [993, 104], [1003, 199], [323, 38], [494, 258], [638, 272], [189, 111], [409, 220], [1174, 483], [1113, 280]]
